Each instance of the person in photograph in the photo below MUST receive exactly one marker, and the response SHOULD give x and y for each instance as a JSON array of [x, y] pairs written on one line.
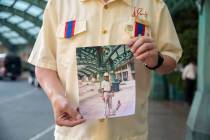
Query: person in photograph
[[143, 25], [107, 95]]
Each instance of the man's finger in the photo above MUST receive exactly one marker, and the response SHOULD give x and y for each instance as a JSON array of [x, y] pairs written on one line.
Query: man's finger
[[147, 39], [71, 112], [145, 55], [132, 41], [71, 123], [140, 42], [145, 47], [136, 45]]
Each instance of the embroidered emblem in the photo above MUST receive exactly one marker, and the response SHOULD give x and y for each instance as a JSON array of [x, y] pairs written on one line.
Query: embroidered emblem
[[139, 12], [69, 29]]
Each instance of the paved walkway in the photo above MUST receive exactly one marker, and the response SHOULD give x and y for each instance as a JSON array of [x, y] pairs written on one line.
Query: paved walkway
[[167, 120], [93, 107]]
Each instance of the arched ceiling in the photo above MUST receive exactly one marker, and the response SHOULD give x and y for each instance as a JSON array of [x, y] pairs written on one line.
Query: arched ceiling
[[91, 59], [20, 20]]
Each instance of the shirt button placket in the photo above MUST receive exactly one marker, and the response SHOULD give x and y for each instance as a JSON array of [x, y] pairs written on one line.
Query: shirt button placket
[[106, 6], [105, 30]]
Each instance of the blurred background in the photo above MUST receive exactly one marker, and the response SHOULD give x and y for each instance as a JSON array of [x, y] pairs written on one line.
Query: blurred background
[[179, 102]]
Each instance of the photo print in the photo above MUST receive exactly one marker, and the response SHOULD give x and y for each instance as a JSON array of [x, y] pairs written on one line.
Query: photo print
[[106, 81]]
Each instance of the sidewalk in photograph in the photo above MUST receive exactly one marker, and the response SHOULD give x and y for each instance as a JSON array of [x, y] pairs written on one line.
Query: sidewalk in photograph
[[93, 105]]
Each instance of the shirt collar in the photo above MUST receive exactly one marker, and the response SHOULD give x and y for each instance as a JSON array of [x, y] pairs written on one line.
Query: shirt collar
[[129, 2]]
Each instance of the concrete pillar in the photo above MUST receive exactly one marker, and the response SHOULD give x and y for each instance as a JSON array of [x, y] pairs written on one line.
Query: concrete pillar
[[112, 76], [99, 56], [130, 76], [101, 75], [198, 124]]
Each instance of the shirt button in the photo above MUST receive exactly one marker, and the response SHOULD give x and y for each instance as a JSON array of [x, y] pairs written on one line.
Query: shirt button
[[104, 31], [101, 120], [105, 6]]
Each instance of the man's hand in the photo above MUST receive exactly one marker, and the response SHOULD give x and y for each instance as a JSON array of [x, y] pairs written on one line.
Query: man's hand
[[144, 49], [64, 114], [112, 94]]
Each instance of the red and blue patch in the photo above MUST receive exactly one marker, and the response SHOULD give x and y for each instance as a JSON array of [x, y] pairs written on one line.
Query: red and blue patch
[[69, 29], [139, 29]]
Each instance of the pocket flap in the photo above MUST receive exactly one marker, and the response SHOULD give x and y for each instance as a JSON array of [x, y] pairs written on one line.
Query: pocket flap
[[71, 28]]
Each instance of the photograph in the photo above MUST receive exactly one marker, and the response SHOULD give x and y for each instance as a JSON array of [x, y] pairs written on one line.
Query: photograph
[[106, 81]]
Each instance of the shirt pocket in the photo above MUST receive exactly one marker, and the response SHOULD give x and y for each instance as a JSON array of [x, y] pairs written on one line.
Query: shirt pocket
[[67, 33], [72, 28]]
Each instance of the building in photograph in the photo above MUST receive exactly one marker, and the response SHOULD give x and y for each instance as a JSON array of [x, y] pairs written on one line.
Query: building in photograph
[[93, 62]]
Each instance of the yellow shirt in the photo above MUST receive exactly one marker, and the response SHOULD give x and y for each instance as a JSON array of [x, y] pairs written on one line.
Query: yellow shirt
[[97, 24]]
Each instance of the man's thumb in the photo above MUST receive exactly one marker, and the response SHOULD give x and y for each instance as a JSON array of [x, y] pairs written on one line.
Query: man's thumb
[[71, 112]]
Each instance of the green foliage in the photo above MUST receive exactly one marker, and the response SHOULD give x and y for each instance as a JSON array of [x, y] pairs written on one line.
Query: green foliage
[[186, 23], [189, 43], [175, 79]]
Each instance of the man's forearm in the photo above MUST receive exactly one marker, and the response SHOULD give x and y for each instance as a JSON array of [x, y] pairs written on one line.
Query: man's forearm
[[168, 65], [50, 82]]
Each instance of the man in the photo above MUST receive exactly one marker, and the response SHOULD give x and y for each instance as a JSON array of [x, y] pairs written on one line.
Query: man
[[107, 95], [147, 28]]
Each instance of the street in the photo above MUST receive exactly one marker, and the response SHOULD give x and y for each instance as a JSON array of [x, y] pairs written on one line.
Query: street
[[25, 112]]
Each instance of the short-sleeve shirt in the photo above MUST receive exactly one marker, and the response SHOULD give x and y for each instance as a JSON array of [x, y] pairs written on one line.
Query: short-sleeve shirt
[[68, 24], [106, 85]]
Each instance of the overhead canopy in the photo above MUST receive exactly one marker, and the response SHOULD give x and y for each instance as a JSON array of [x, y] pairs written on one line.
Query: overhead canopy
[[20, 20], [93, 60]]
